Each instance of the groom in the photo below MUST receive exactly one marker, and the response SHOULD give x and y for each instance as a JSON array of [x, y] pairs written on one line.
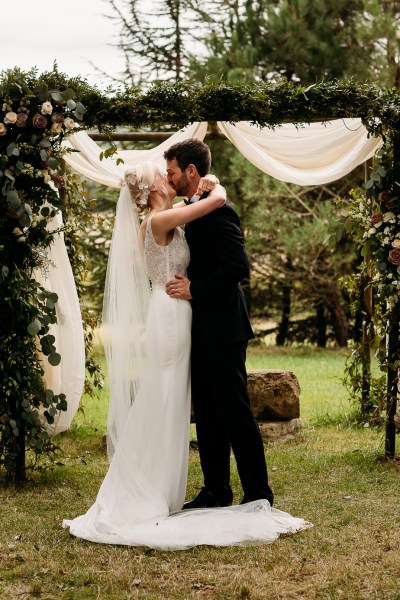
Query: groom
[[220, 332]]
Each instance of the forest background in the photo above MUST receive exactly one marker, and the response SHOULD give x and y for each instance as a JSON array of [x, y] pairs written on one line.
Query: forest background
[[297, 290]]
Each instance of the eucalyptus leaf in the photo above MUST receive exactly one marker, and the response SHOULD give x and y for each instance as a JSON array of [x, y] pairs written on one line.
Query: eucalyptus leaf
[[42, 91], [71, 104], [34, 327], [50, 303], [45, 211], [54, 359], [49, 417], [10, 149], [57, 96], [53, 163], [13, 199], [25, 220], [43, 155], [68, 94], [45, 143]]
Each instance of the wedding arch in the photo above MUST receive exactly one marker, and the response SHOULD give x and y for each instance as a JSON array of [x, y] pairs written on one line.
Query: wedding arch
[[335, 125]]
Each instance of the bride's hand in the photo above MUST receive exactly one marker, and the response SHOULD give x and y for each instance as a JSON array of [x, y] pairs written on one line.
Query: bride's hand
[[207, 184]]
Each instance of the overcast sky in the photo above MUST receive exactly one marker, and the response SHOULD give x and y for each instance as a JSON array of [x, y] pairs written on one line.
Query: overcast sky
[[74, 32]]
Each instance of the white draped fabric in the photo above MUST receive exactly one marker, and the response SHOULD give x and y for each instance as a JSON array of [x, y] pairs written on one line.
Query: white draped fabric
[[311, 154], [69, 376], [106, 171]]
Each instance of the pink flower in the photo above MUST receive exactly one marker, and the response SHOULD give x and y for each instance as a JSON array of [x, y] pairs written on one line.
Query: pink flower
[[58, 180], [387, 199], [57, 118], [39, 121], [394, 256], [21, 119], [377, 217]]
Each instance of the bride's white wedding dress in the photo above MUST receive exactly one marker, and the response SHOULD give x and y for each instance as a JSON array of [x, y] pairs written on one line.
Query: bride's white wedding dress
[[146, 480]]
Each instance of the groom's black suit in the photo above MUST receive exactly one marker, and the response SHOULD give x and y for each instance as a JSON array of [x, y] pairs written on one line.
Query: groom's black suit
[[220, 332]]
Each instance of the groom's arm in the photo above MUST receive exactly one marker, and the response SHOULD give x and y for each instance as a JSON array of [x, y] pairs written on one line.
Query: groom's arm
[[229, 259]]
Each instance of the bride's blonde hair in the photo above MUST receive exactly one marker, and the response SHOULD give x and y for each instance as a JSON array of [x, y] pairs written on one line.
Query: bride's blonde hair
[[140, 179]]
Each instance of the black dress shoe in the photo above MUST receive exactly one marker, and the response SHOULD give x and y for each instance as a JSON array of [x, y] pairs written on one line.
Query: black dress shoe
[[206, 499]]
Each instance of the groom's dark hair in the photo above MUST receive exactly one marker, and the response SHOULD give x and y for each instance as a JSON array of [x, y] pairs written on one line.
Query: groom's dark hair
[[190, 152]]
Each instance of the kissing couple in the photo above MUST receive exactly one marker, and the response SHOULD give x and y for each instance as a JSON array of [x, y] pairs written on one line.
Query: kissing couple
[[176, 328]]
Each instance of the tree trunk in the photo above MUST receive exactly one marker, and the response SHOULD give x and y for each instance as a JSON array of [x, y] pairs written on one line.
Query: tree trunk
[[321, 324], [339, 318], [285, 319]]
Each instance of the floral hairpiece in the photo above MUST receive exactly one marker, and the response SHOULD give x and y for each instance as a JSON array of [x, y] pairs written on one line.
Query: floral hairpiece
[[144, 190]]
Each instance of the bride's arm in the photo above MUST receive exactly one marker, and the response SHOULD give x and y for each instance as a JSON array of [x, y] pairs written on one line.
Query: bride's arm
[[169, 219], [206, 184]]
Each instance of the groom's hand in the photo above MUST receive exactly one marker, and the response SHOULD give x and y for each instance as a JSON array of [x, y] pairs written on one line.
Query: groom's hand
[[179, 287]]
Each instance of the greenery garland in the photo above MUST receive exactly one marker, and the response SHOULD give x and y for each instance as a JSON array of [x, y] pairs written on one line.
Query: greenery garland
[[39, 112], [34, 120]]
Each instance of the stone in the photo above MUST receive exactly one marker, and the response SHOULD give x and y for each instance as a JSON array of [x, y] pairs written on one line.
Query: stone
[[274, 395], [282, 431]]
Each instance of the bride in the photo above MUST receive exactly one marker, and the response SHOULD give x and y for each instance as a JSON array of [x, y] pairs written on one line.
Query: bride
[[147, 343]]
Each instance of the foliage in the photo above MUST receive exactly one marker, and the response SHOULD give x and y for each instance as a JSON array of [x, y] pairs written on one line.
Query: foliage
[[296, 39], [375, 226], [35, 118]]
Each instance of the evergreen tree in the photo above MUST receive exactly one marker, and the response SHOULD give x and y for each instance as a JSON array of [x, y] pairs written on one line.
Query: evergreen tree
[[154, 38]]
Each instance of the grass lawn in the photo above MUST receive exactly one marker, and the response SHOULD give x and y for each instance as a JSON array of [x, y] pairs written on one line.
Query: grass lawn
[[333, 476]]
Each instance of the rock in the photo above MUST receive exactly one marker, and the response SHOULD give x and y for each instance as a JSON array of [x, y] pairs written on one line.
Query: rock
[[274, 395], [280, 430]]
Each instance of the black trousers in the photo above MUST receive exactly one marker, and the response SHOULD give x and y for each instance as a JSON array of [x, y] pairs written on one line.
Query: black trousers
[[224, 420]]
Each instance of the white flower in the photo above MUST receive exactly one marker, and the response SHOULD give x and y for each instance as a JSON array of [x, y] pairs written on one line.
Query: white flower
[[10, 118], [388, 217], [47, 108], [56, 127], [386, 241], [3, 129], [371, 231], [386, 231], [16, 231], [69, 123]]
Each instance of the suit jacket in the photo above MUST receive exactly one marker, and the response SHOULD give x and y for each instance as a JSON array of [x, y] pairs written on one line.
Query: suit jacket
[[218, 262]]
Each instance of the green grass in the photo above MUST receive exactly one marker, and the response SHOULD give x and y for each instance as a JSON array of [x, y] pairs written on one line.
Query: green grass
[[333, 476]]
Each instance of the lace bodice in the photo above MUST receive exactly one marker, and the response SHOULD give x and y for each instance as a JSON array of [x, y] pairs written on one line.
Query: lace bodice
[[163, 262]]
